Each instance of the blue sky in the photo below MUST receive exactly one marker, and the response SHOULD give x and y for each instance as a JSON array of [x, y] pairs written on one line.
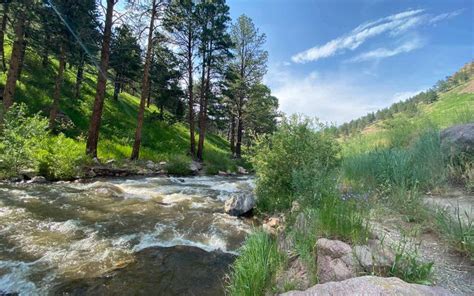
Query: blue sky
[[339, 59]]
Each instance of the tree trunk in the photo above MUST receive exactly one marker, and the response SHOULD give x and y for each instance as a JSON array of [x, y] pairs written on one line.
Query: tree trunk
[[23, 54], [3, 29], [148, 99], [201, 116], [93, 134], [192, 148], [240, 127], [116, 87], [232, 135], [12, 76], [79, 76], [145, 86], [57, 88]]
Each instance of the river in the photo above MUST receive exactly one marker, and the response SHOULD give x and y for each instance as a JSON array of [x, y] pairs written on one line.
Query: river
[[147, 235]]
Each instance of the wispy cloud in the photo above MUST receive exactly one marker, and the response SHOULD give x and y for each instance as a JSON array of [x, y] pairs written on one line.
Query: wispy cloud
[[381, 53], [445, 16], [393, 25]]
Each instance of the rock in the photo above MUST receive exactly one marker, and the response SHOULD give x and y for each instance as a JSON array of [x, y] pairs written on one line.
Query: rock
[[150, 165], [195, 167], [239, 204], [241, 170], [301, 223], [382, 255], [364, 257], [272, 225], [163, 163], [110, 161], [107, 190], [370, 285], [296, 274], [334, 260], [96, 160], [37, 180], [221, 173], [458, 139]]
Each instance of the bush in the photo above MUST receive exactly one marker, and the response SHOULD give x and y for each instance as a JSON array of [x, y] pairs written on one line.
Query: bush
[[284, 162], [215, 161], [61, 158], [409, 267], [179, 165], [253, 270], [21, 139], [459, 233]]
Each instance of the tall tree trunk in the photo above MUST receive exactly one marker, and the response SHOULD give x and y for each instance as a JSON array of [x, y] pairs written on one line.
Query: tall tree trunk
[[57, 88], [145, 85], [116, 86], [232, 135], [3, 29], [201, 115], [192, 142], [79, 75], [148, 99], [240, 128], [12, 76], [45, 53], [93, 134], [22, 57]]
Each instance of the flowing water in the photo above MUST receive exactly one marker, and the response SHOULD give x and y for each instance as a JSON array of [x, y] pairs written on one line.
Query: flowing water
[[61, 236]]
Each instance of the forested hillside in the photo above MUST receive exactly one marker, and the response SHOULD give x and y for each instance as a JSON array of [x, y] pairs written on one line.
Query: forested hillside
[[449, 102], [186, 88]]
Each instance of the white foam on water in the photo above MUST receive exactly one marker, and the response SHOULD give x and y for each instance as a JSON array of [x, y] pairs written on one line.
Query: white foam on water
[[16, 278]]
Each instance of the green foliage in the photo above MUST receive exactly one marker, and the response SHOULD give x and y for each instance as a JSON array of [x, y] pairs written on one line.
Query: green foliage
[[343, 219], [252, 271], [215, 162], [61, 158], [409, 267], [179, 165], [421, 165], [26, 145], [457, 231], [284, 161], [21, 139]]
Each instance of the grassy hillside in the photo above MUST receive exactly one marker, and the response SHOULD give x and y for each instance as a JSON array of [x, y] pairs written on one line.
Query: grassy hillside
[[452, 107], [161, 140]]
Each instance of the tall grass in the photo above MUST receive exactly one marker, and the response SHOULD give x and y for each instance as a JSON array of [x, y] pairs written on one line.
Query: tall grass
[[253, 270], [420, 165], [409, 267], [457, 230]]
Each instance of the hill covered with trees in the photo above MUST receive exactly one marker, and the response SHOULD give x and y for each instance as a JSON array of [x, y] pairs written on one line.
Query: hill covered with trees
[[155, 80]]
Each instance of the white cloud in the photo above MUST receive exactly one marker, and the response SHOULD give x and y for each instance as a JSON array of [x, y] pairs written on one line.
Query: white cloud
[[333, 98], [380, 53], [445, 16], [393, 25]]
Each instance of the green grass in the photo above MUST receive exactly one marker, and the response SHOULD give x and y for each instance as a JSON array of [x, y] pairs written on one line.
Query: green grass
[[459, 233], [408, 266], [160, 142], [253, 270]]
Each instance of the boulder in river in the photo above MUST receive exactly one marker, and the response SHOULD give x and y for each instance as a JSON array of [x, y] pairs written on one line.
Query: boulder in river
[[458, 139], [370, 285], [239, 204]]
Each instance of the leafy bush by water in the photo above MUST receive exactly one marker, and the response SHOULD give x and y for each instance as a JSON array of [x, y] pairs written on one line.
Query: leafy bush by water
[[179, 165], [26, 145], [298, 157], [253, 270]]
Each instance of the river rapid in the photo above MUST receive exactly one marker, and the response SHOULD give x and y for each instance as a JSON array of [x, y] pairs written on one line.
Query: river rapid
[[158, 235]]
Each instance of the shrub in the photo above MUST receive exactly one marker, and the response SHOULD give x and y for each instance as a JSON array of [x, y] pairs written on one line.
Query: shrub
[[253, 270], [21, 138], [298, 150], [178, 164], [61, 158], [215, 162]]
